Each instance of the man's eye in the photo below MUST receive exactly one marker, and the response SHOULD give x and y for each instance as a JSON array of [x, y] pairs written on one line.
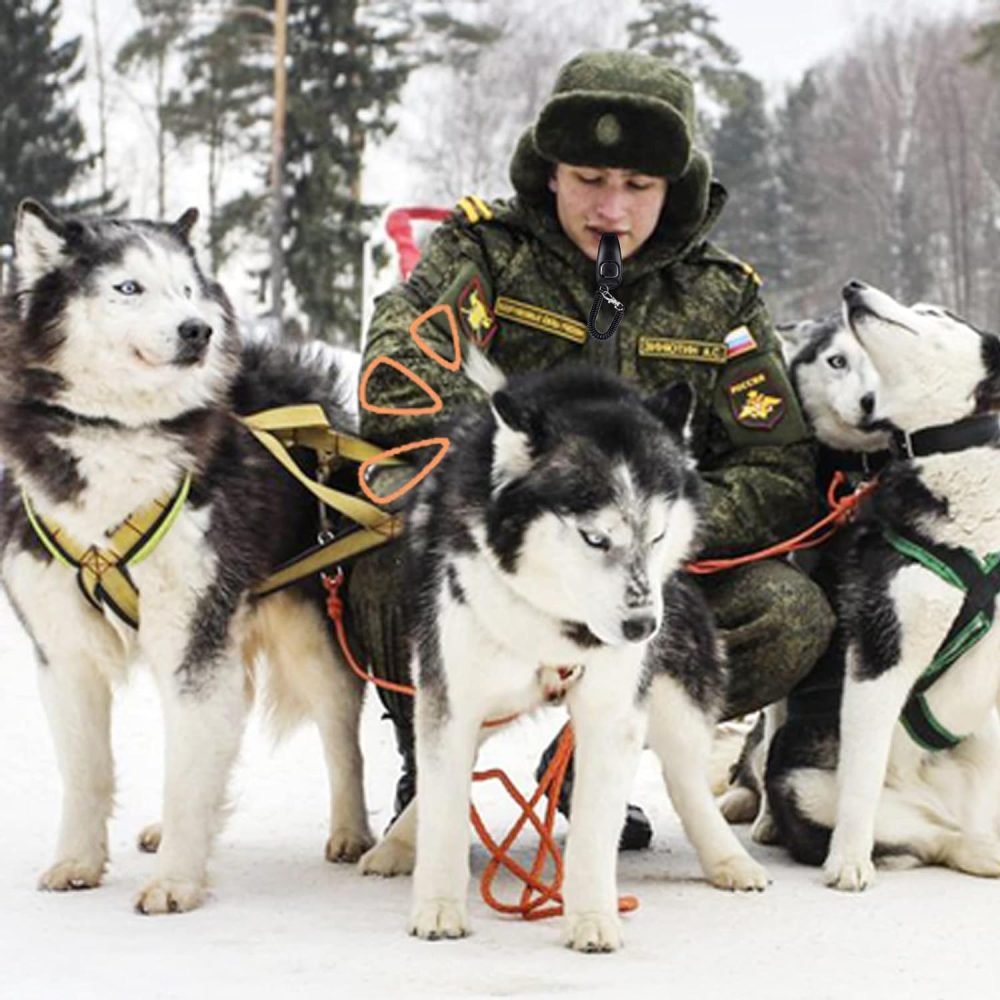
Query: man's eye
[[128, 287], [595, 540], [637, 186], [584, 179]]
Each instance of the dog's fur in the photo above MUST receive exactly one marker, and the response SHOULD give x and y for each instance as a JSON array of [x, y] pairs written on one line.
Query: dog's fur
[[847, 764], [837, 385], [550, 538], [120, 369]]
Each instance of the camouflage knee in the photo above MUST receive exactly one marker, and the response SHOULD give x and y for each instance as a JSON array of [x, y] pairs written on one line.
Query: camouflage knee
[[375, 600], [776, 623]]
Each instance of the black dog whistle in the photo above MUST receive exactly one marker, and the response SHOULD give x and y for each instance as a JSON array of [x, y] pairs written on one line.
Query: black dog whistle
[[609, 261]]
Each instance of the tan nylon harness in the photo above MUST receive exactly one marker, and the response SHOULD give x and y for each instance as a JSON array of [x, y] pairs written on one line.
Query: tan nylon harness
[[102, 571]]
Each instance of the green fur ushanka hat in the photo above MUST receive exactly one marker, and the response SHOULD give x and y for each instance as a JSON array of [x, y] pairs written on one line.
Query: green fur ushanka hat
[[619, 109]]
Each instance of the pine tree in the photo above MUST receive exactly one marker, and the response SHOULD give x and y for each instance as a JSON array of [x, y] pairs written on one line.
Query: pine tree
[[165, 23], [741, 146], [42, 149], [222, 110], [346, 70], [683, 33]]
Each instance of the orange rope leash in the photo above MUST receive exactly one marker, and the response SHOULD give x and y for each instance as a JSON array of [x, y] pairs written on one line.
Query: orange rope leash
[[536, 892], [842, 509]]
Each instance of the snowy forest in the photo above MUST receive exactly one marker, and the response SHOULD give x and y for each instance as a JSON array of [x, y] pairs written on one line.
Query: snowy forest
[[881, 162]]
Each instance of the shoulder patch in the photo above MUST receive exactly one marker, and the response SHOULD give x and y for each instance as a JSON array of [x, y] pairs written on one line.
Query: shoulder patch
[[756, 400], [477, 320], [474, 208], [716, 255]]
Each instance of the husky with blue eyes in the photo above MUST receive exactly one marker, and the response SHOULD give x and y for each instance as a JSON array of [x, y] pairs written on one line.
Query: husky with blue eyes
[[136, 515], [899, 762], [543, 563]]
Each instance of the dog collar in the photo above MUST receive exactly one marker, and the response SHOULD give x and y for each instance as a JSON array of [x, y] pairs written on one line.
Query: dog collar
[[973, 432], [868, 463], [102, 572]]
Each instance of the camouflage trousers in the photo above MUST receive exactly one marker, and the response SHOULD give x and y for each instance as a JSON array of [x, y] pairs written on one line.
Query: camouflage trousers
[[774, 620]]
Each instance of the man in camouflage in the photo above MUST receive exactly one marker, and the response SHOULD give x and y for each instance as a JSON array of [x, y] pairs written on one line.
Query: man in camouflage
[[612, 151]]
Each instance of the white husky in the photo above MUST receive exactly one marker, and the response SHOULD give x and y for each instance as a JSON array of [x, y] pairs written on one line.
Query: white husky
[[906, 766], [543, 559], [136, 515]]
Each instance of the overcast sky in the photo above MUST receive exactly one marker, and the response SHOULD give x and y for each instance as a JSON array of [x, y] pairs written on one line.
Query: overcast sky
[[780, 39]]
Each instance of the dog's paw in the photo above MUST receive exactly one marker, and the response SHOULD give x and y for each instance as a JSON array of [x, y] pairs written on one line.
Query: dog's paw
[[149, 838], [739, 872], [71, 874], [848, 876], [977, 856], [169, 895], [738, 804], [348, 845], [764, 829], [592, 932], [388, 858], [434, 919]]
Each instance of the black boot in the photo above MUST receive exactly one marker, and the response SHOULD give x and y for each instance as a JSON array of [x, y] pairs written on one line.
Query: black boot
[[637, 831], [406, 784]]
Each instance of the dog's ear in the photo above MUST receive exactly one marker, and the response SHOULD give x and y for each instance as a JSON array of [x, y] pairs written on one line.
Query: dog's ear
[[183, 226], [520, 435], [673, 406], [793, 337], [988, 391], [39, 243]]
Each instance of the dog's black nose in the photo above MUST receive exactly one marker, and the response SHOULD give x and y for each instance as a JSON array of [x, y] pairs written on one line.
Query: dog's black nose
[[852, 288], [194, 333], [637, 629], [868, 403]]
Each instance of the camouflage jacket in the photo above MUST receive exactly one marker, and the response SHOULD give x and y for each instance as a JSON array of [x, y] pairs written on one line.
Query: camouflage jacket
[[523, 291]]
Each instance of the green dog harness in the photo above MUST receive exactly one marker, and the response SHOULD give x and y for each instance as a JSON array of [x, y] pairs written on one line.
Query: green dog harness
[[980, 581]]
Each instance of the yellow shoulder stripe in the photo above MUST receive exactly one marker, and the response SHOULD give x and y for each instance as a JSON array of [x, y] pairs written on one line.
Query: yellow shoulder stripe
[[475, 208]]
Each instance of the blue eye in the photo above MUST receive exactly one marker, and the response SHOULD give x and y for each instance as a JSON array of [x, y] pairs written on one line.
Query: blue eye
[[595, 541], [129, 287]]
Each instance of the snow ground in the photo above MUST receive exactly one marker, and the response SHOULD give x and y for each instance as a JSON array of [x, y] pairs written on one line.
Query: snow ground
[[281, 918]]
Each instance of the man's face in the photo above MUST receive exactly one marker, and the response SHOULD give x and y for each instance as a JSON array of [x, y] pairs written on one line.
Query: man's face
[[595, 200]]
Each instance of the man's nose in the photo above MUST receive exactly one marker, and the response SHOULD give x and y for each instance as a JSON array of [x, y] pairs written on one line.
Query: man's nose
[[611, 205]]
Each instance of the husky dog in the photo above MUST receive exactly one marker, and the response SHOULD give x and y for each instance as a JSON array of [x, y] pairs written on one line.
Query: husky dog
[[905, 766], [837, 385], [120, 376], [543, 558]]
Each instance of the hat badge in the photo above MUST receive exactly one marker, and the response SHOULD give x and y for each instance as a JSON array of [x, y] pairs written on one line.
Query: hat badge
[[607, 130]]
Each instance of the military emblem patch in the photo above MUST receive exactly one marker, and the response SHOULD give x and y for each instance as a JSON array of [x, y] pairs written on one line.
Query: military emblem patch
[[755, 401], [477, 321]]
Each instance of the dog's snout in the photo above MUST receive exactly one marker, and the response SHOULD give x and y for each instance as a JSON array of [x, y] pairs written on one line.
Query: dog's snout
[[868, 403], [638, 628], [194, 332], [853, 288]]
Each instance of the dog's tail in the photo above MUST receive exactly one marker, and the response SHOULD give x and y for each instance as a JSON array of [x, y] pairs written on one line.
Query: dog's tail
[[481, 370]]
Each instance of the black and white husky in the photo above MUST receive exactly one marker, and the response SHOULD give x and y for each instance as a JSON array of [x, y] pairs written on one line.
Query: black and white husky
[[543, 561], [120, 373], [837, 385], [905, 766]]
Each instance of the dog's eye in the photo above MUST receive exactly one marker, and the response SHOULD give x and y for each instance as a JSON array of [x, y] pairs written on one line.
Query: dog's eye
[[837, 361], [659, 538], [594, 540], [187, 291], [128, 287]]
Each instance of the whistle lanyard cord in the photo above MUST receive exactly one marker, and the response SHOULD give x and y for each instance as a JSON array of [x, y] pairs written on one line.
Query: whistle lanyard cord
[[601, 296]]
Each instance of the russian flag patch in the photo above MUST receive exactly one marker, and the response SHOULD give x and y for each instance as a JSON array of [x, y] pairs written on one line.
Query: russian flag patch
[[739, 341]]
